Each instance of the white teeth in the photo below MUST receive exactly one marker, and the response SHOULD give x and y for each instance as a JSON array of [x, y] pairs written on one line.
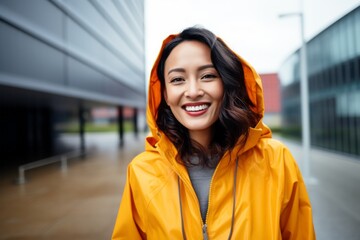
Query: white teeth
[[196, 108]]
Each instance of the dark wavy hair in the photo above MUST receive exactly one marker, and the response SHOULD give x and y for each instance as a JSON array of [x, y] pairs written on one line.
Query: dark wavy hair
[[236, 115]]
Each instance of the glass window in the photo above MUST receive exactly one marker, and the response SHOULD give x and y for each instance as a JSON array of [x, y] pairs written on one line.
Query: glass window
[[334, 46], [342, 40], [349, 36], [326, 53], [357, 30]]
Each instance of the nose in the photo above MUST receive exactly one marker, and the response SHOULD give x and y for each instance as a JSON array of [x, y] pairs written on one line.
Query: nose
[[194, 89]]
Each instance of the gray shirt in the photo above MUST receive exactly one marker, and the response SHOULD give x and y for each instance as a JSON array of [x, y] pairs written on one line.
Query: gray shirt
[[200, 178]]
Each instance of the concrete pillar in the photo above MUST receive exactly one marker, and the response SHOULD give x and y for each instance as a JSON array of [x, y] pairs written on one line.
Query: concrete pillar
[[121, 125], [82, 129], [135, 123]]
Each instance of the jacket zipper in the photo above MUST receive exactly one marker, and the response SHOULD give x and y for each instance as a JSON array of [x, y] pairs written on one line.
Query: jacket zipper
[[204, 230], [204, 227]]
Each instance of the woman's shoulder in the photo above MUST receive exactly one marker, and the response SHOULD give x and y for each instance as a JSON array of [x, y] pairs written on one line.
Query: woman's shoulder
[[149, 164], [148, 172], [146, 159], [275, 152], [147, 175], [271, 144]]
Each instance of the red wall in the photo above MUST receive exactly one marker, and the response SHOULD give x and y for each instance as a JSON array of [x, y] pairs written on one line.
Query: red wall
[[272, 92]]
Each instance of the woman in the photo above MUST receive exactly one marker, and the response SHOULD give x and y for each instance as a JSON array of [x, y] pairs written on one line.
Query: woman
[[210, 169]]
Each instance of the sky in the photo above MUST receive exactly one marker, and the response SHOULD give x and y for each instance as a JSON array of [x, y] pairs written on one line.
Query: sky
[[253, 29]]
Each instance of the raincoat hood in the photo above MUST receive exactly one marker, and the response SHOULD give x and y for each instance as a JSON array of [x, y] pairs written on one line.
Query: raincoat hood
[[253, 87]]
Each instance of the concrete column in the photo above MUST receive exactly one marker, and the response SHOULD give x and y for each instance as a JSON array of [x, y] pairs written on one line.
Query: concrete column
[[135, 123], [82, 129], [121, 125]]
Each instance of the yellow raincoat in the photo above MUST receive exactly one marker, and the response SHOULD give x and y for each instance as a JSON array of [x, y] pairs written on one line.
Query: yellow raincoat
[[264, 199]]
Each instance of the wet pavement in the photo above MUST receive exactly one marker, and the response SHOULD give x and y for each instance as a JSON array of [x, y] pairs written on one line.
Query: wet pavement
[[335, 193], [81, 202]]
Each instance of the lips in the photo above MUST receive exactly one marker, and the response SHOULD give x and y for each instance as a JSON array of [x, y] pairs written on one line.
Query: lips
[[196, 107]]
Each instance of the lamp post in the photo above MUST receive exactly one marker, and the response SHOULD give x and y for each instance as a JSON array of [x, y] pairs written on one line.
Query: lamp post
[[305, 117]]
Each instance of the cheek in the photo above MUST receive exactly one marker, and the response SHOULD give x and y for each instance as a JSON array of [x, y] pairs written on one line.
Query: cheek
[[218, 95], [171, 96]]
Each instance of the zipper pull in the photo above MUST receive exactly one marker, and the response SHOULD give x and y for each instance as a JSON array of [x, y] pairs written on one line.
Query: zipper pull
[[204, 230]]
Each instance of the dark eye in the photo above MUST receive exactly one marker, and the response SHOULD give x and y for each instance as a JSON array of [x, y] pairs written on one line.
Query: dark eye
[[208, 76], [176, 80]]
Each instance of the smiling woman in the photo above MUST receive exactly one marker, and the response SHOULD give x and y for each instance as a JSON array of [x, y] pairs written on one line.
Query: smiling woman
[[202, 68], [193, 89], [210, 169]]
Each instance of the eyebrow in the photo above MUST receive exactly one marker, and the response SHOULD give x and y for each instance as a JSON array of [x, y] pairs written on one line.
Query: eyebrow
[[176, 70], [183, 70], [206, 66]]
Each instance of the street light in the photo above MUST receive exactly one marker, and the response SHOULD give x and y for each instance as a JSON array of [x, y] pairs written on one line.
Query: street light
[[304, 91]]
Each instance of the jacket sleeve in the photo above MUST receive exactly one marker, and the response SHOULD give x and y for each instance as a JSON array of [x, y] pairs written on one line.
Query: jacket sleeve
[[296, 216], [129, 224]]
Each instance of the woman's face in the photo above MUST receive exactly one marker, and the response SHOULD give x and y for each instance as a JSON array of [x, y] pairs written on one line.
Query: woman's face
[[193, 88]]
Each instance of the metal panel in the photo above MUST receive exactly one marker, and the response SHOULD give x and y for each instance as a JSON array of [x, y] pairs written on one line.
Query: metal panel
[[40, 13], [22, 55], [32, 53], [92, 22]]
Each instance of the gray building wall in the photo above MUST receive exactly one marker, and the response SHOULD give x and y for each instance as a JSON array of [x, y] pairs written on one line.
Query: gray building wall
[[334, 87], [59, 58]]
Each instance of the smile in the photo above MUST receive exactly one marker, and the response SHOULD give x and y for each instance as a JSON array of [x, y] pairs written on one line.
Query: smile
[[196, 108]]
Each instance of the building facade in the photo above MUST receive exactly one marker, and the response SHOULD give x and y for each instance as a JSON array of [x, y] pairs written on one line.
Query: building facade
[[58, 59], [333, 63], [272, 99]]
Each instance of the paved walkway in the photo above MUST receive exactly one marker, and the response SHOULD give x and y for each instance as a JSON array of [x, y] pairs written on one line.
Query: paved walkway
[[335, 196], [82, 202], [77, 204]]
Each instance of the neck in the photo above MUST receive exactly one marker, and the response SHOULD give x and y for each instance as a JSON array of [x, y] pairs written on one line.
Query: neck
[[203, 137]]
